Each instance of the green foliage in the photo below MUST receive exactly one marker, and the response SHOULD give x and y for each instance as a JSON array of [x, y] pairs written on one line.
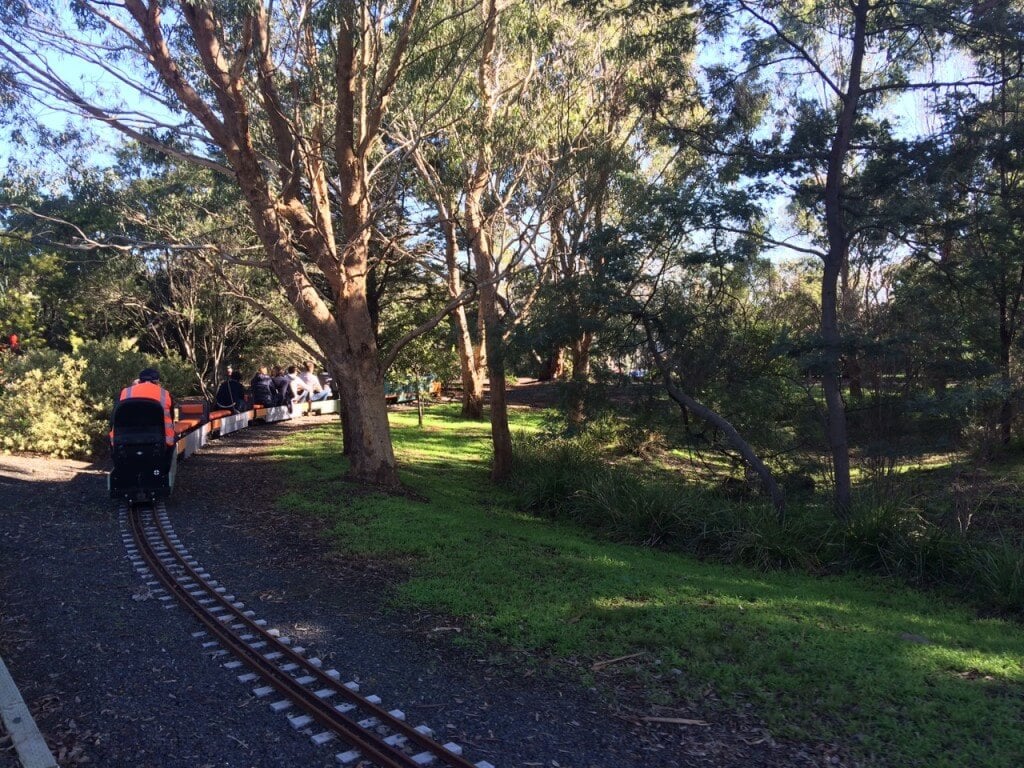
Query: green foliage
[[112, 364], [645, 512], [549, 475], [43, 407], [59, 404], [758, 538]]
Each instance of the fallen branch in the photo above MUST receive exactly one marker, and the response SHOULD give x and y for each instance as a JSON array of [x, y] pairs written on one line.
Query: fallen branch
[[599, 665], [675, 721]]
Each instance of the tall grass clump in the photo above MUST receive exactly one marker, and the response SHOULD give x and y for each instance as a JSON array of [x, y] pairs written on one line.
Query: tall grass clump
[[641, 511], [888, 534], [755, 535], [997, 571], [549, 474]]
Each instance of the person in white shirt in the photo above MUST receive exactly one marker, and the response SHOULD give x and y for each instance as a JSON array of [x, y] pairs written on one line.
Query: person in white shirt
[[313, 389]]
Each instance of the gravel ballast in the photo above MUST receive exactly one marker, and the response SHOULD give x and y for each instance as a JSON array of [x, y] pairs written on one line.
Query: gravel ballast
[[115, 679]]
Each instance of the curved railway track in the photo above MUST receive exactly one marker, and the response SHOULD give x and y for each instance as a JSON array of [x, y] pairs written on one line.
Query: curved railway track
[[320, 697]]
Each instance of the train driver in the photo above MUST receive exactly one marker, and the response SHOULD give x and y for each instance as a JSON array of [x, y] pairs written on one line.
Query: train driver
[[148, 387]]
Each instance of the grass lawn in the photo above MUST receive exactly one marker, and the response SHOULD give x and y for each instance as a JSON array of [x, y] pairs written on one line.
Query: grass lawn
[[898, 677]]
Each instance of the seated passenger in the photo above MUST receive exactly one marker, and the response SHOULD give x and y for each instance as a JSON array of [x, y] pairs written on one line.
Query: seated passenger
[[296, 390], [311, 383], [262, 388], [231, 394], [282, 386]]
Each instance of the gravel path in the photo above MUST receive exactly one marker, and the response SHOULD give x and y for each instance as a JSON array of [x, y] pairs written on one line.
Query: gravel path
[[115, 680]]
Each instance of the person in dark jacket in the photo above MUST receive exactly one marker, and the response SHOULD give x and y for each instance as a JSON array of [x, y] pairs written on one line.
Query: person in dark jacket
[[231, 394], [262, 388], [282, 386]]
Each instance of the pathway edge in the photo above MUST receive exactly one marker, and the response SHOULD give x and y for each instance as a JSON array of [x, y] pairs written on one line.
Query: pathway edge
[[21, 727]]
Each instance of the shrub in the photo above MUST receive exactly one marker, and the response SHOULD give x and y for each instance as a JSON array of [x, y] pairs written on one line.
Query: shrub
[[760, 539], [636, 510], [112, 364], [59, 405], [41, 408], [880, 536]]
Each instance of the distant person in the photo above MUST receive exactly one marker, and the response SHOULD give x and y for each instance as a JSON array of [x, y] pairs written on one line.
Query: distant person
[[311, 383], [262, 389], [147, 387], [231, 394], [14, 343]]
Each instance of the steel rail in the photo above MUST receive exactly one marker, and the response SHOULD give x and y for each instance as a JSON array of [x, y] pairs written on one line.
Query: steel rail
[[366, 741]]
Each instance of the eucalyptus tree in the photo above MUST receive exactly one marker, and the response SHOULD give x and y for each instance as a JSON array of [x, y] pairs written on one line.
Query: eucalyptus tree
[[288, 101], [484, 169], [597, 145]]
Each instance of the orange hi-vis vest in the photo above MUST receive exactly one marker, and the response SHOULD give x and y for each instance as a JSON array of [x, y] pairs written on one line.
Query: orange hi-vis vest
[[150, 391]]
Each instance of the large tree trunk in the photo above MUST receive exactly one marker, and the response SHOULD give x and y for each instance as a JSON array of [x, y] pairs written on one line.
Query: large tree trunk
[[580, 381], [366, 429]]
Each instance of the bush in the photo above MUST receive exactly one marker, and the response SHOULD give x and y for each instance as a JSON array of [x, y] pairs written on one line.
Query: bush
[[760, 539], [568, 477], [878, 537], [59, 405], [635, 510], [112, 364], [43, 409]]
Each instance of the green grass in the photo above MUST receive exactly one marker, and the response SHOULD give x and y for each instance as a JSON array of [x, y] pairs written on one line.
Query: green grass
[[837, 659]]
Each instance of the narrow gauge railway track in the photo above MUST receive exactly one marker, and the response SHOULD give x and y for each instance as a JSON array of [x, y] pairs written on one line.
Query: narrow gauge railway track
[[300, 680]]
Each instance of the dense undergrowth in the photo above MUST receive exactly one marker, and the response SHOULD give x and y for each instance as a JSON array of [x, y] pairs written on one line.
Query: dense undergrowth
[[895, 675], [888, 533]]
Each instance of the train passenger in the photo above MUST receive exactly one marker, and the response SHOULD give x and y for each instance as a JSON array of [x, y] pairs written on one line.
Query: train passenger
[[282, 385], [262, 388], [231, 394], [296, 389], [314, 390], [147, 386]]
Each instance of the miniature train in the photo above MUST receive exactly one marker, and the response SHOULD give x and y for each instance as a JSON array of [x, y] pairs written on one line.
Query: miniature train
[[145, 466]]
